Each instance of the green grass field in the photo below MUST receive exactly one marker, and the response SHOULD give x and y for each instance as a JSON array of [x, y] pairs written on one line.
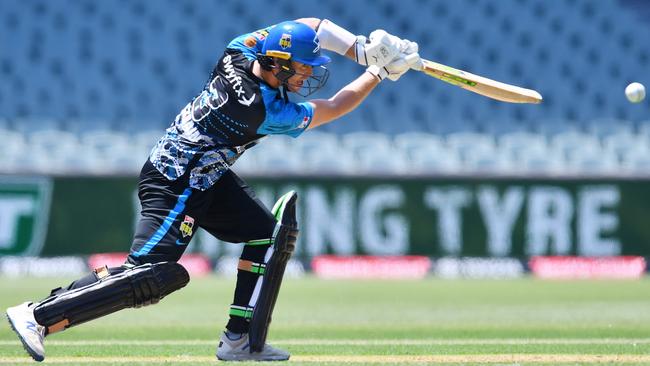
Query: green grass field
[[511, 322]]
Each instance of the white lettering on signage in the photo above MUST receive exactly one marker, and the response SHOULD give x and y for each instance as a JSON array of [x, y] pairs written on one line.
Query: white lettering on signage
[[383, 233], [449, 202], [12, 208], [550, 210], [592, 222], [500, 217], [343, 220], [329, 222]]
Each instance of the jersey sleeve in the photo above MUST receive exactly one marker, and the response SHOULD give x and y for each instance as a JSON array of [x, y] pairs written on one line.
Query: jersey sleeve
[[250, 43], [286, 118]]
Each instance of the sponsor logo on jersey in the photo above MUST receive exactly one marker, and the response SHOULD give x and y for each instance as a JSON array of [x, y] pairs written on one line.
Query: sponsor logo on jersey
[[285, 41], [235, 81], [261, 34], [187, 226]]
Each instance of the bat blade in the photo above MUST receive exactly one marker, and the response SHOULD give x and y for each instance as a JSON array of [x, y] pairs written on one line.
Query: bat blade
[[481, 85]]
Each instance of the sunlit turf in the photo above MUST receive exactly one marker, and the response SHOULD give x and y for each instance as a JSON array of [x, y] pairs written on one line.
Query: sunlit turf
[[346, 320]]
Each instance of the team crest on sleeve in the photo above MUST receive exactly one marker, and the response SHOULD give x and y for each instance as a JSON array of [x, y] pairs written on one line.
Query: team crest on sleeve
[[187, 226], [304, 122], [285, 41]]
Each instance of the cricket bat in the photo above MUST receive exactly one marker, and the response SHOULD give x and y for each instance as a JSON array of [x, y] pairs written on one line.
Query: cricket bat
[[481, 85]]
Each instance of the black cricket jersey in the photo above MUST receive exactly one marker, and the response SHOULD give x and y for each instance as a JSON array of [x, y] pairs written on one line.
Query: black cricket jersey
[[234, 110]]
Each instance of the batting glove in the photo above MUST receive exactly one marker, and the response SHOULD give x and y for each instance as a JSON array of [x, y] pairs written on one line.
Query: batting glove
[[409, 48], [378, 49], [396, 68]]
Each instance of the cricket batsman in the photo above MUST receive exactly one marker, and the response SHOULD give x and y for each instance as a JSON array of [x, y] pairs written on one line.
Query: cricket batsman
[[187, 183]]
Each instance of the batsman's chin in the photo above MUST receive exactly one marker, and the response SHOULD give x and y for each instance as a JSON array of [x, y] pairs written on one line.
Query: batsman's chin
[[295, 87]]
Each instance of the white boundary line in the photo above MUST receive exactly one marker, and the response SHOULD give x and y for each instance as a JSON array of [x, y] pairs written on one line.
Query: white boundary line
[[353, 342]]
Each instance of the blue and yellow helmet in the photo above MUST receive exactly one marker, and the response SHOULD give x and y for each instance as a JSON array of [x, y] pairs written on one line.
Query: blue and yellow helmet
[[294, 41]]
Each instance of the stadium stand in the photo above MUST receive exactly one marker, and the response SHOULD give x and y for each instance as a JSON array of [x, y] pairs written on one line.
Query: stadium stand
[[514, 145], [434, 161], [120, 70]]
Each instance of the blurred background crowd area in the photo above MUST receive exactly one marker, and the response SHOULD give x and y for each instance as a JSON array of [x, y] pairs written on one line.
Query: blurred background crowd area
[[89, 86]]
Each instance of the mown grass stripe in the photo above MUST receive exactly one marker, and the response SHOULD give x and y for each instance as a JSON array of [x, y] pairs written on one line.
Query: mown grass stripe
[[350, 342], [488, 358]]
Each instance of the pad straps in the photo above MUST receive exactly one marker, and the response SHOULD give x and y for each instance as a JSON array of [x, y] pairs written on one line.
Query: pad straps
[[260, 242], [245, 312], [250, 266]]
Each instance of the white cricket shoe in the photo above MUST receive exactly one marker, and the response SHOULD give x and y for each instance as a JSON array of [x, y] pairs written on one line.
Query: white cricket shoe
[[237, 350], [21, 319]]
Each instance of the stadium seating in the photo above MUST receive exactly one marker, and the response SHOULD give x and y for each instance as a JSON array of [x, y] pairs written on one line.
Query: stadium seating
[[471, 143], [620, 145], [142, 60], [12, 146], [635, 162], [317, 152], [361, 144], [89, 86], [434, 161], [341, 162], [513, 145], [105, 142], [413, 142]]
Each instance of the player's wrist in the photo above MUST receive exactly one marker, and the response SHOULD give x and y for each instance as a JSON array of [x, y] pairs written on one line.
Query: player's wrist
[[360, 55], [380, 73]]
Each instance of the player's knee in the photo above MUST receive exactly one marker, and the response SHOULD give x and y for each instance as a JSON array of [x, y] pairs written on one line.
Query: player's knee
[[287, 229], [152, 282]]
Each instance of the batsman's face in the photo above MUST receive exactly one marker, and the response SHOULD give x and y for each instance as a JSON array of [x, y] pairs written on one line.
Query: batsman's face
[[302, 73]]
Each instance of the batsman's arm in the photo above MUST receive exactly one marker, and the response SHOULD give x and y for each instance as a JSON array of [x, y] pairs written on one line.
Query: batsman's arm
[[379, 49], [343, 102], [332, 37]]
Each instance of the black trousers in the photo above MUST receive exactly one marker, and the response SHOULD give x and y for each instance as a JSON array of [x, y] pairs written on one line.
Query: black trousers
[[172, 212]]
